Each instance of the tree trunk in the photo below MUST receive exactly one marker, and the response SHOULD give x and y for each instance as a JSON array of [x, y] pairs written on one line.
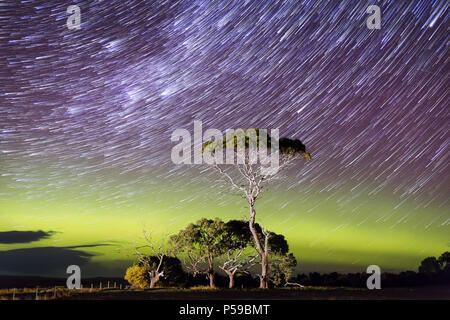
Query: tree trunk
[[264, 278], [231, 277], [211, 277], [231, 284], [154, 279], [211, 274], [263, 252]]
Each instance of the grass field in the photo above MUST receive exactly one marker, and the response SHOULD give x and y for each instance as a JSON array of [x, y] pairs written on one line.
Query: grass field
[[205, 293]]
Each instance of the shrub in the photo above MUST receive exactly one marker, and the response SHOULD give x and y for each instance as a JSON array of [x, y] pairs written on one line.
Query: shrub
[[138, 276]]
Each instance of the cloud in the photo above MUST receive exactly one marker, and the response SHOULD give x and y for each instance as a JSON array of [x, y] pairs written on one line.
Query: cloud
[[48, 261], [24, 236]]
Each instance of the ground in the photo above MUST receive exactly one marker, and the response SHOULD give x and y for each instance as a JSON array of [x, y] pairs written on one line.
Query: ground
[[204, 293]]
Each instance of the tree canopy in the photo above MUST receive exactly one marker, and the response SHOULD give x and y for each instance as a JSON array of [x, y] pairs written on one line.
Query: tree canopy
[[245, 138], [429, 265], [277, 242], [206, 236]]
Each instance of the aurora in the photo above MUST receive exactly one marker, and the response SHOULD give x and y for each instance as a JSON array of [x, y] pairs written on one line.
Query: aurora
[[86, 118]]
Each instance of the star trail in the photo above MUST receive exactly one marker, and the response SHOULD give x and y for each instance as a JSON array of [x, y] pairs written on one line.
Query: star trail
[[86, 118]]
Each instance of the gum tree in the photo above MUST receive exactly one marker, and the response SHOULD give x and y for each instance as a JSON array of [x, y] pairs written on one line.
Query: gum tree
[[201, 243], [249, 177]]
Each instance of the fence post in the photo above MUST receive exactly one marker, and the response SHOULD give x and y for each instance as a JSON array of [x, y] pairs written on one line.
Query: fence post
[[37, 293], [14, 293]]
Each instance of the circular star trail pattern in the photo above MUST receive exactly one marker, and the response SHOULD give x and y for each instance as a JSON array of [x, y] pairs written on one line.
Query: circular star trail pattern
[[86, 116]]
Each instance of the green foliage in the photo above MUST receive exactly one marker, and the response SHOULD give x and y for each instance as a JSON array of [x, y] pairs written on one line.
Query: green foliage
[[292, 147], [281, 268], [239, 233], [245, 138], [216, 238], [281, 263], [138, 276], [288, 265], [242, 138], [277, 242], [202, 238]]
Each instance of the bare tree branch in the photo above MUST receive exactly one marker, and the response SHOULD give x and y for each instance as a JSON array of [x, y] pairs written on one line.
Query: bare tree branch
[[159, 251]]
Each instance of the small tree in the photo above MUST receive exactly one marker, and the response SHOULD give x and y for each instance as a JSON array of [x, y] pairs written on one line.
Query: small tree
[[250, 177], [200, 244], [282, 267], [138, 276]]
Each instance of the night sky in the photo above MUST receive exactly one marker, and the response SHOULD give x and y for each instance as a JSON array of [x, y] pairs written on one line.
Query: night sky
[[86, 118]]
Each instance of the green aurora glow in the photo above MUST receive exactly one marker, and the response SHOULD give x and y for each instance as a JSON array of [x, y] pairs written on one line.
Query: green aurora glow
[[326, 231]]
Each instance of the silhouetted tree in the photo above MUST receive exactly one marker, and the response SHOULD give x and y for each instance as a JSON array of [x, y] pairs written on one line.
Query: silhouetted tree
[[444, 261], [174, 274], [429, 266]]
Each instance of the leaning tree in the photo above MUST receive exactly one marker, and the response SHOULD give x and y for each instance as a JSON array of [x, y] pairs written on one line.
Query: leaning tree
[[249, 176]]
